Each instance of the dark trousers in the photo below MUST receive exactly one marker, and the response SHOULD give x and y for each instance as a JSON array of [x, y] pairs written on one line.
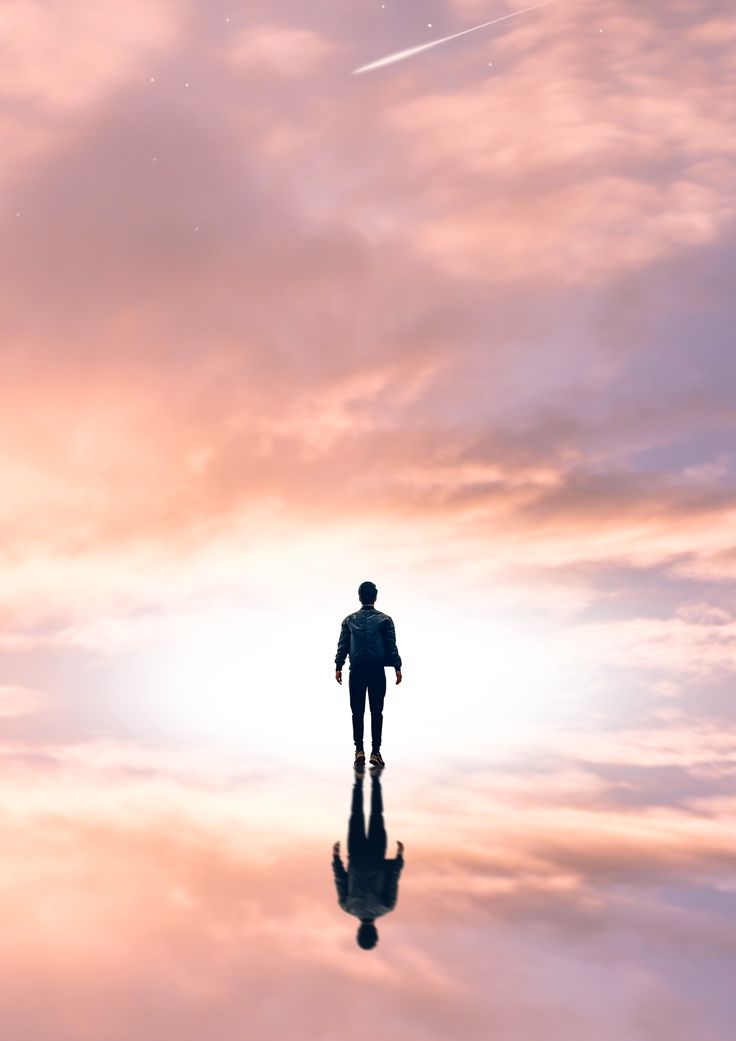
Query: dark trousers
[[370, 848], [371, 678]]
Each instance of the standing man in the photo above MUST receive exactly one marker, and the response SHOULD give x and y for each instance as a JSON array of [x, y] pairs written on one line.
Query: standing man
[[369, 637]]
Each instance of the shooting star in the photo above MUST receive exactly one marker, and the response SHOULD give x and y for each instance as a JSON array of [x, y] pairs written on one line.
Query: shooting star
[[401, 55]]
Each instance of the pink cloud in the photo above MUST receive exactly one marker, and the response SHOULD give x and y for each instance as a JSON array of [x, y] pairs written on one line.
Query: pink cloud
[[453, 323], [60, 61], [279, 50], [577, 158], [20, 701]]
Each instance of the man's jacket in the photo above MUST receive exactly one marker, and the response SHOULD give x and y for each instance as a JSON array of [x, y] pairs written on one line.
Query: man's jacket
[[369, 637], [367, 890]]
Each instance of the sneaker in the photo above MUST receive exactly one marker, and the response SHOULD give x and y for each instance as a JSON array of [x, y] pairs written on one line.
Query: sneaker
[[359, 763], [377, 762]]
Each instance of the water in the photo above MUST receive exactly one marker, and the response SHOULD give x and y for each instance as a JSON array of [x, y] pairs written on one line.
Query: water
[[154, 891]]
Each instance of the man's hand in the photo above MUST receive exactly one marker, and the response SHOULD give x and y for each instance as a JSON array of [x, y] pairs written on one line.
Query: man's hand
[[338, 675], [336, 850], [399, 847], [398, 675]]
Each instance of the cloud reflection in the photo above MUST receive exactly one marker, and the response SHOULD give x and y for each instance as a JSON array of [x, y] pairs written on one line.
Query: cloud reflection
[[212, 897]]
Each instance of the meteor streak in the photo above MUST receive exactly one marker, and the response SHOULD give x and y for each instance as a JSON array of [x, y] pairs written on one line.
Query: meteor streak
[[400, 55]]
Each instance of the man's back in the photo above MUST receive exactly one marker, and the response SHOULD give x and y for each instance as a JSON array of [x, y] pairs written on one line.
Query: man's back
[[368, 890], [369, 637]]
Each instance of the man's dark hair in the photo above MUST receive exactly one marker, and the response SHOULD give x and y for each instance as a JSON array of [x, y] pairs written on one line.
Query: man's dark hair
[[367, 592], [367, 935]]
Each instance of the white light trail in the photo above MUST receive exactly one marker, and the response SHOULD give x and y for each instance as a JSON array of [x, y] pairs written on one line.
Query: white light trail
[[401, 55]]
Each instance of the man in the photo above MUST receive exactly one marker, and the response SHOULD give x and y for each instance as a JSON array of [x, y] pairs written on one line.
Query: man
[[370, 886], [369, 637]]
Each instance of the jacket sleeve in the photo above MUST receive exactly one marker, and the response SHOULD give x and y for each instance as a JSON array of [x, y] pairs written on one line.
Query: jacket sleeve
[[341, 880], [391, 890], [393, 658], [343, 646]]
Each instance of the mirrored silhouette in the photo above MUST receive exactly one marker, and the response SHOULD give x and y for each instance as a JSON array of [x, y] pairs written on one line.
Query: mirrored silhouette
[[369, 887]]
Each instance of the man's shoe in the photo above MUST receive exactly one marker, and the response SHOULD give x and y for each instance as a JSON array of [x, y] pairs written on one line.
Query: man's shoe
[[377, 762], [359, 763]]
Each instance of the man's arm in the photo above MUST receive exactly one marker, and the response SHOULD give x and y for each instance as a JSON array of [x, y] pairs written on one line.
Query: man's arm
[[343, 646], [341, 876], [393, 658], [393, 871]]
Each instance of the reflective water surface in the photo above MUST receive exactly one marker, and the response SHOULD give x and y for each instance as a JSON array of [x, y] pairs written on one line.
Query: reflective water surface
[[151, 892]]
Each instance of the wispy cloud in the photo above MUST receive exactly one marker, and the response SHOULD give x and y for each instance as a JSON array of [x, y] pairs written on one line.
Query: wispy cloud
[[20, 701]]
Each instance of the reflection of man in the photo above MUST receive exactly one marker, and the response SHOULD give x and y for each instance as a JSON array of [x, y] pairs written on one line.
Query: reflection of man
[[370, 886], [369, 637]]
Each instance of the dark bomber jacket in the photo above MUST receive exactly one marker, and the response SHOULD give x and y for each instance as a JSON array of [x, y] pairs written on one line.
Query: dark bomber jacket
[[367, 890], [369, 637]]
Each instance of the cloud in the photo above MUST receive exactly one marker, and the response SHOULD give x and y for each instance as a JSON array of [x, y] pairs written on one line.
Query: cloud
[[57, 62], [278, 49], [463, 326], [20, 701], [586, 152]]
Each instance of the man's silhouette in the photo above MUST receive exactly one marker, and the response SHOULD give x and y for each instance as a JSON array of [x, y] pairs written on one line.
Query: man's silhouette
[[369, 637], [369, 887]]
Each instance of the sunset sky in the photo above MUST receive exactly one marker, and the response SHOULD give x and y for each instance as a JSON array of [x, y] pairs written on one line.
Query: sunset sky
[[462, 325]]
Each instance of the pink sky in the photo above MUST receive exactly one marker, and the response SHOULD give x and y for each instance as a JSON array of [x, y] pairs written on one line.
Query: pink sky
[[462, 325]]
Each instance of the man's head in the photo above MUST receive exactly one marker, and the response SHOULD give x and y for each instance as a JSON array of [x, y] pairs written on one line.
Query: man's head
[[367, 935], [367, 592]]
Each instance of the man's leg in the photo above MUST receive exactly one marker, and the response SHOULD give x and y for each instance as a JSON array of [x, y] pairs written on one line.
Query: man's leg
[[356, 827], [376, 825], [376, 694], [357, 682]]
